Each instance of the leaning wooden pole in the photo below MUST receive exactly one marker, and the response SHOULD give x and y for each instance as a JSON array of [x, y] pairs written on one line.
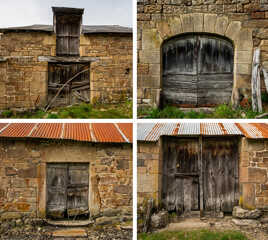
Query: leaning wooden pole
[[57, 94], [256, 82]]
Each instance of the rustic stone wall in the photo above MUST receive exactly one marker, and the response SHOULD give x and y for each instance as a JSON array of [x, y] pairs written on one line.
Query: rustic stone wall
[[244, 22], [23, 79], [149, 171], [254, 173], [23, 175]]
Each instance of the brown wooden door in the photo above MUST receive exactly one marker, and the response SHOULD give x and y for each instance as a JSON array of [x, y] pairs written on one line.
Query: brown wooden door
[[68, 35], [197, 70], [180, 175], [220, 164], [59, 74], [67, 190]]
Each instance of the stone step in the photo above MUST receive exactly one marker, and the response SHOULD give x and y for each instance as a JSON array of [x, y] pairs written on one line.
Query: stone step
[[76, 223], [69, 233]]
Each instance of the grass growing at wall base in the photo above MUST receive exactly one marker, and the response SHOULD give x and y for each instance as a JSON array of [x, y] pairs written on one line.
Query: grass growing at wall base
[[194, 235], [221, 111], [120, 110]]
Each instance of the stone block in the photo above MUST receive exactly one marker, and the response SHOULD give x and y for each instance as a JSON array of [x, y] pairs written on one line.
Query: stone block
[[209, 23], [198, 22], [152, 56], [151, 39], [244, 57], [187, 23], [248, 196], [175, 25], [257, 175], [244, 40], [243, 68], [233, 30], [241, 213]]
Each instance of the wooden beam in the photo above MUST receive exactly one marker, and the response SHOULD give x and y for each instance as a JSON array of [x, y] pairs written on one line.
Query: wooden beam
[[201, 169], [68, 59], [256, 82]]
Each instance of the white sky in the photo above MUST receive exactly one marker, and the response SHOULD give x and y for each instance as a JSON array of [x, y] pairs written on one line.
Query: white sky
[[97, 12]]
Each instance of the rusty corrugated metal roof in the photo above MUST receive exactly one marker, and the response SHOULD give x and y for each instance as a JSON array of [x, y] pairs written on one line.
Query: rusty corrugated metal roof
[[89, 132], [153, 131]]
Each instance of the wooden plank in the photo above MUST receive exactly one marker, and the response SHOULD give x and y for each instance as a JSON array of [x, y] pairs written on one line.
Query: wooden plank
[[220, 168], [255, 82]]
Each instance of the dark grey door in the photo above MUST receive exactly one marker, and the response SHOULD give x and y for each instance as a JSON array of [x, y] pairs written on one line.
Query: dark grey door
[[180, 175], [197, 70], [67, 190]]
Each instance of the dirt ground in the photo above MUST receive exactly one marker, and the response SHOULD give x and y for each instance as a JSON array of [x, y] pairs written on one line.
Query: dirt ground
[[255, 230]]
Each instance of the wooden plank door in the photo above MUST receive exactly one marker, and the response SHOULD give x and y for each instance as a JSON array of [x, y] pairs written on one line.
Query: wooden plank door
[[67, 190], [180, 175], [77, 190], [220, 162], [59, 74], [56, 190], [215, 71], [179, 77], [197, 70]]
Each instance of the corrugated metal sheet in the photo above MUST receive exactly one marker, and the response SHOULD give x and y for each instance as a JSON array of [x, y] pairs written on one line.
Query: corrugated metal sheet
[[152, 131], [126, 128], [47, 130], [102, 132], [107, 132], [79, 131], [17, 130]]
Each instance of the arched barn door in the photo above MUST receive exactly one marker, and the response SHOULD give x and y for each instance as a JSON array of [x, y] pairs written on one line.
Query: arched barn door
[[197, 70]]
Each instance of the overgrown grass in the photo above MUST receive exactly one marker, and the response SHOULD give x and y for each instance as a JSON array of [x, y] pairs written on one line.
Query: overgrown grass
[[121, 110], [221, 111], [194, 235]]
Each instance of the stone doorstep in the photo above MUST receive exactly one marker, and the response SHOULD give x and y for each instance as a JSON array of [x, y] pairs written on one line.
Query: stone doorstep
[[77, 223], [70, 232]]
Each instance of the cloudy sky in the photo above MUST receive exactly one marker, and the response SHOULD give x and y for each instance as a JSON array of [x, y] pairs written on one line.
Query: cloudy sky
[[97, 12]]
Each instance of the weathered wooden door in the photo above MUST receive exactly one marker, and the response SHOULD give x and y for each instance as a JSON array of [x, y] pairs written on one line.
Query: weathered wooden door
[[67, 190], [197, 70], [200, 174], [220, 164], [73, 92], [180, 175]]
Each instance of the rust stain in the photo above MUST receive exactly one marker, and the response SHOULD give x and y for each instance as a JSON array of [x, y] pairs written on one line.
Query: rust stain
[[223, 129], [24, 207], [262, 127], [176, 130]]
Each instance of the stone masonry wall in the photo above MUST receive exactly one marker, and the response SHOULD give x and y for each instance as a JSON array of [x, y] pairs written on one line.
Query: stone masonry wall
[[254, 173], [23, 79], [23, 175], [149, 170], [245, 22]]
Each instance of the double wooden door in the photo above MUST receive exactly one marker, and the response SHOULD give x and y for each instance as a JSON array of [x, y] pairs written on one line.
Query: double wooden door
[[200, 174], [67, 190], [197, 70]]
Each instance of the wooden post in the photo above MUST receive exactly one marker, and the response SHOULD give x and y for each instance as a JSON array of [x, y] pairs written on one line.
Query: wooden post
[[255, 82], [200, 159]]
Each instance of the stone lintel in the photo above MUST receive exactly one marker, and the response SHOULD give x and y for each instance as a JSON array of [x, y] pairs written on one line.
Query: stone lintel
[[54, 59]]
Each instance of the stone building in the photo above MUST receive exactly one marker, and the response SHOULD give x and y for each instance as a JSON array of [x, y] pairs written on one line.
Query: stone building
[[198, 53], [66, 170], [206, 168], [36, 61]]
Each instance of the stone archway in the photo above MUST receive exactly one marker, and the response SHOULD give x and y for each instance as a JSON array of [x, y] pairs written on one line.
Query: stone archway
[[151, 40]]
